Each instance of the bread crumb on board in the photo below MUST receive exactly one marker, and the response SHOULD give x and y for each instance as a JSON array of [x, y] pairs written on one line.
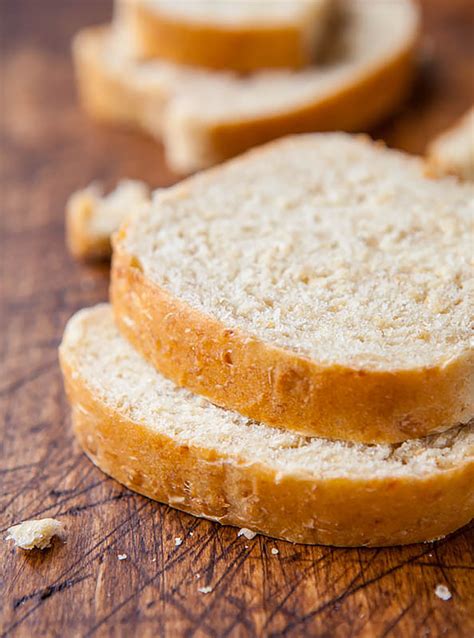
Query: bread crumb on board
[[122, 556], [443, 592], [35, 534], [247, 533], [178, 541], [205, 590]]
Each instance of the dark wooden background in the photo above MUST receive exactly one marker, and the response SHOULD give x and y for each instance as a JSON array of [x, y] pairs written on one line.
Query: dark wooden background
[[80, 588]]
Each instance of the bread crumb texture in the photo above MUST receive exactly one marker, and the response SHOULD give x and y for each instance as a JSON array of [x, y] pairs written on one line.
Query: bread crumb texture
[[35, 534], [443, 592], [248, 533], [336, 249]]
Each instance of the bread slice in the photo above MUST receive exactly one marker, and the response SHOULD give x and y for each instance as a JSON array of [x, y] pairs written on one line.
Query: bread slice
[[452, 152], [321, 283], [204, 117], [92, 217], [239, 35], [179, 449]]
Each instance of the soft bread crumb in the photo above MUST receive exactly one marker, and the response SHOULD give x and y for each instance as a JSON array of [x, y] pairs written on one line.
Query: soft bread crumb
[[178, 541], [35, 534], [247, 533], [205, 590], [443, 592]]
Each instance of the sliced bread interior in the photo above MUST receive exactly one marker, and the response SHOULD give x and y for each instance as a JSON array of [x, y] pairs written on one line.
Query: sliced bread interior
[[321, 283], [204, 117], [175, 447], [239, 35]]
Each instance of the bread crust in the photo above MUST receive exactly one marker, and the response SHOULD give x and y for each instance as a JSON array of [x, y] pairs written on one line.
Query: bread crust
[[277, 386], [242, 48], [191, 145], [298, 508]]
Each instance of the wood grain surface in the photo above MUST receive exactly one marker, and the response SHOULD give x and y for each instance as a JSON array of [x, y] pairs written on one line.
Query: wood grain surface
[[79, 587]]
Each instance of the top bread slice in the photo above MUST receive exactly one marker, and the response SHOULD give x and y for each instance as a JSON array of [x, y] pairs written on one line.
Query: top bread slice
[[173, 446], [204, 117], [321, 283], [452, 152], [238, 35]]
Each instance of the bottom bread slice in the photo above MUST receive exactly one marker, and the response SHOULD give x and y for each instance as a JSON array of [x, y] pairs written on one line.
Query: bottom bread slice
[[177, 448]]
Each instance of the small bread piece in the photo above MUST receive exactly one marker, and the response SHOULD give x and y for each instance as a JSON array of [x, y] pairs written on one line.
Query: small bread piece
[[452, 152], [179, 449], [92, 217], [35, 534], [321, 283], [238, 35], [203, 117]]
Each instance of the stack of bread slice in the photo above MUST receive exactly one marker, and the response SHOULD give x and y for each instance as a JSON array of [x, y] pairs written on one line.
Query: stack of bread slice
[[213, 78], [288, 347]]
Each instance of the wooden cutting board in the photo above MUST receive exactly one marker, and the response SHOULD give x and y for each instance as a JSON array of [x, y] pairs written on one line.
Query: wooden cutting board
[[79, 587]]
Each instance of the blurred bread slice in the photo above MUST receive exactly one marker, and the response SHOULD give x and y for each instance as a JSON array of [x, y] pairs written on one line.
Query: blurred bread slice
[[238, 35]]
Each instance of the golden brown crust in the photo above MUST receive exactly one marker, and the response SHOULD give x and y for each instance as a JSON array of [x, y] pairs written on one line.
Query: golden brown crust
[[243, 49], [207, 483], [276, 386], [358, 105]]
